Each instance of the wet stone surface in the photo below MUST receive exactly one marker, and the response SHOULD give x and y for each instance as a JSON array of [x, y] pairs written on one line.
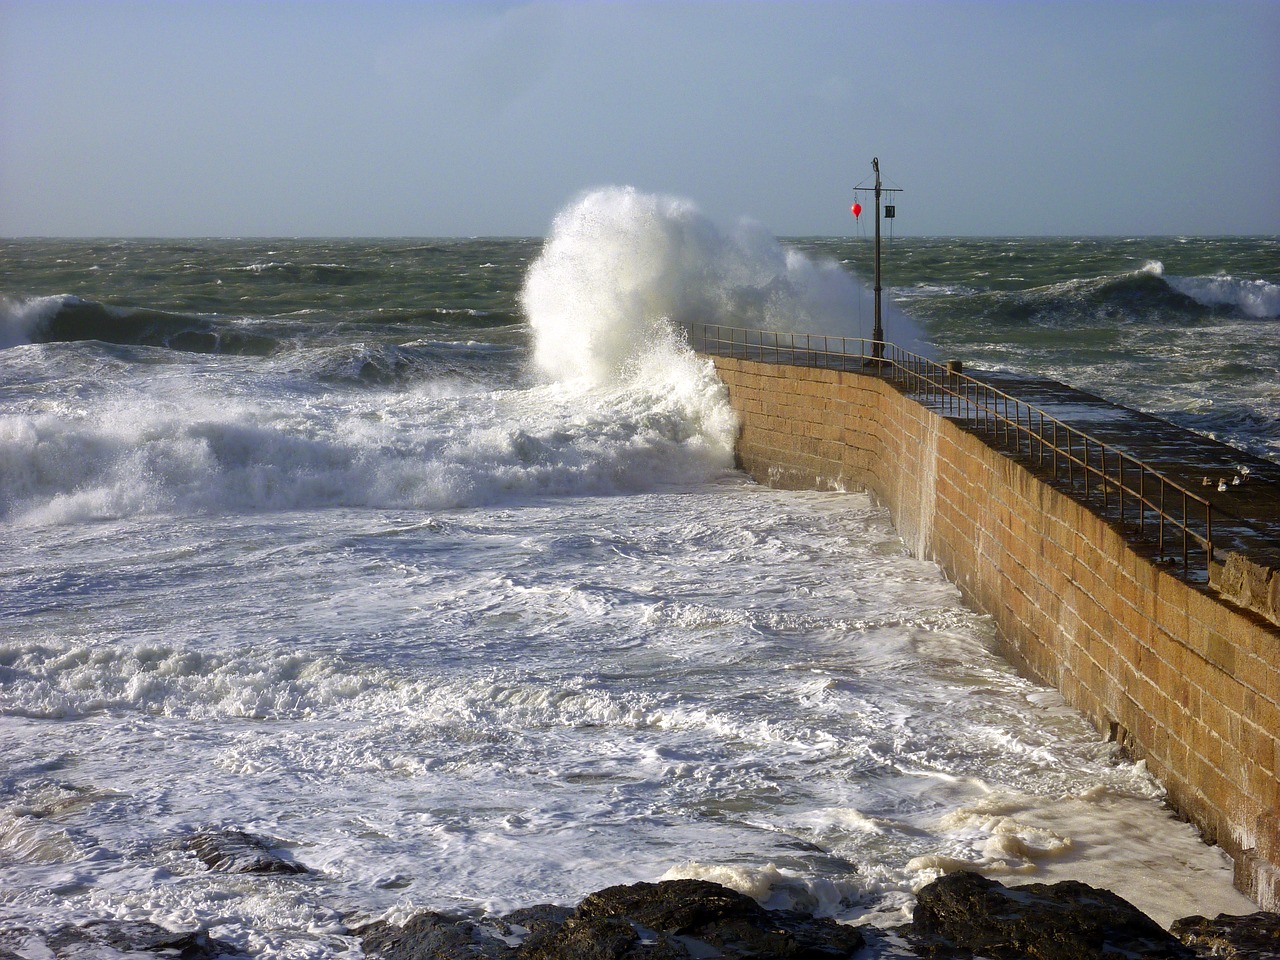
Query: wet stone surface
[[1235, 938], [234, 851]]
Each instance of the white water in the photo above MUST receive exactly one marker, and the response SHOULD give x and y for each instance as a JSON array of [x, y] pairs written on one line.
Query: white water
[[620, 267], [1255, 298], [499, 706], [480, 645], [210, 442]]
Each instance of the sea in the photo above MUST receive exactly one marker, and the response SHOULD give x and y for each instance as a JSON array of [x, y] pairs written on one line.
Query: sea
[[426, 562]]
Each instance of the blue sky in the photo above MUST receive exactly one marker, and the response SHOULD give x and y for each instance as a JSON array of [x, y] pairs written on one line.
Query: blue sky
[[385, 118]]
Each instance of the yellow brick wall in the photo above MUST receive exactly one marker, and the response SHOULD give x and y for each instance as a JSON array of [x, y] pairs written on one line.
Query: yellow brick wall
[[1183, 680]]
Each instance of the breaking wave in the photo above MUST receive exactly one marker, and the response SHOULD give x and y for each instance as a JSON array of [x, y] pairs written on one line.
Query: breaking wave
[[69, 318], [1146, 293], [1253, 298]]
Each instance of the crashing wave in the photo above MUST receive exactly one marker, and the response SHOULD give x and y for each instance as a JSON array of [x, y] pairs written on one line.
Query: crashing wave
[[621, 267]]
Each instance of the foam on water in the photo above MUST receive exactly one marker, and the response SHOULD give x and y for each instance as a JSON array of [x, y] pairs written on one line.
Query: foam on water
[[169, 444], [802, 712], [1255, 298]]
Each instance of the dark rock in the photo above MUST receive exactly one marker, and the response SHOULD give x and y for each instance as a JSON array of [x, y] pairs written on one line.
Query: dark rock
[[433, 936], [95, 938], [604, 938], [234, 851], [672, 920], [1235, 938], [532, 925], [538, 918], [548, 932], [964, 913], [722, 917], [680, 906]]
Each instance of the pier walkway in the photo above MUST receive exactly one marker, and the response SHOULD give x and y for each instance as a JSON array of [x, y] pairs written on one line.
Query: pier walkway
[[1242, 489]]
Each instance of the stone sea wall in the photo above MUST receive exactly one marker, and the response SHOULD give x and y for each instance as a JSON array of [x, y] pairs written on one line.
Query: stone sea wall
[[1183, 680]]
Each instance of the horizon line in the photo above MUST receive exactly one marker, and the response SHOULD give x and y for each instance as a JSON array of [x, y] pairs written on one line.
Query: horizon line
[[158, 238]]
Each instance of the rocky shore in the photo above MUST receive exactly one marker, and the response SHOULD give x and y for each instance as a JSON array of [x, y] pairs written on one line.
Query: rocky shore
[[960, 915]]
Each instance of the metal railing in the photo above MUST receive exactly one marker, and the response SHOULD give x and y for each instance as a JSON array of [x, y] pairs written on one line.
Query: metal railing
[[1177, 522]]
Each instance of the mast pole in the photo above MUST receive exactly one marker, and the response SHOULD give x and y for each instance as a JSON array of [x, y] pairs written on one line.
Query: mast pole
[[877, 335]]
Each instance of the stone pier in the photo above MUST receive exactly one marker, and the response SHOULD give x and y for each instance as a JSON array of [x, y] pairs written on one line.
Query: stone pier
[[1183, 674]]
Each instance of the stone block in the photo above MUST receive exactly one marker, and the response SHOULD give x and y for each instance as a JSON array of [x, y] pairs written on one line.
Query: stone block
[[1253, 585], [1221, 652], [1261, 782], [1266, 714]]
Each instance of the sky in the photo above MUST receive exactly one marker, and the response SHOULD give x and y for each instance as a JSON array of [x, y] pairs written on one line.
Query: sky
[[411, 118]]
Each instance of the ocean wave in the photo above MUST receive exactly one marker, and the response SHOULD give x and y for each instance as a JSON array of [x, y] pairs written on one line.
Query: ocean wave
[[1091, 301], [1254, 298], [437, 316], [22, 319], [418, 362], [185, 451], [66, 318], [68, 679], [376, 364], [1140, 290], [1147, 294]]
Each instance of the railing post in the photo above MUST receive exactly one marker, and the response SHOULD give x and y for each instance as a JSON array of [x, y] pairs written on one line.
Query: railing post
[[1160, 538], [1186, 532], [1142, 500], [1102, 478], [1121, 491], [1208, 537]]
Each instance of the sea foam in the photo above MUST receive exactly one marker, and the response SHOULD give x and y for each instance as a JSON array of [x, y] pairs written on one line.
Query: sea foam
[[174, 447]]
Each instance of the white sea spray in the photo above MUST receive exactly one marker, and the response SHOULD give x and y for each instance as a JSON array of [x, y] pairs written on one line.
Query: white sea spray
[[620, 265]]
